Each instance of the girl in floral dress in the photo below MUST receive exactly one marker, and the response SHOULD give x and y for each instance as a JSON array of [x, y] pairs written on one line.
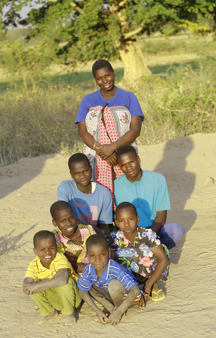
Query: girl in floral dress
[[139, 250]]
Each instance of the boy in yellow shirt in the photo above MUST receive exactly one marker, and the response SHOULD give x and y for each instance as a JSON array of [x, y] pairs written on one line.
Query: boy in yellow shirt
[[49, 280]]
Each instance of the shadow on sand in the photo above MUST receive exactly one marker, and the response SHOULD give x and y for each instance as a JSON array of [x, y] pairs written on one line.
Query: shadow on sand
[[181, 185], [11, 243], [15, 175]]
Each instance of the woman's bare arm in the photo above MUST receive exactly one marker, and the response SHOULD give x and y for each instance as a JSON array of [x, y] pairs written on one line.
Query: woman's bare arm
[[87, 138]]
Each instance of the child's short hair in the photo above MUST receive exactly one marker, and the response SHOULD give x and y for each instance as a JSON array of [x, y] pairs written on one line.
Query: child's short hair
[[126, 205], [78, 157], [57, 206], [43, 234], [124, 150], [96, 239], [102, 63]]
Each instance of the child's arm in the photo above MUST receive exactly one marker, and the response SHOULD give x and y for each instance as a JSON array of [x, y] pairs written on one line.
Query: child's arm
[[89, 300], [80, 267], [159, 221], [116, 315], [30, 286], [162, 262]]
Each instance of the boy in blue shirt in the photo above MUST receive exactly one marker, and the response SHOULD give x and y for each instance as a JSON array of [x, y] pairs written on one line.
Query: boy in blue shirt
[[91, 202], [105, 280]]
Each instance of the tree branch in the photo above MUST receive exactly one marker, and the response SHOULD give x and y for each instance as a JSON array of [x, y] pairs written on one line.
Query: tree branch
[[76, 8], [135, 32], [122, 3]]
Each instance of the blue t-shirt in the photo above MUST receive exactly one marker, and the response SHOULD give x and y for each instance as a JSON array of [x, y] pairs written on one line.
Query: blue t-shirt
[[113, 271], [91, 208], [149, 195], [121, 98]]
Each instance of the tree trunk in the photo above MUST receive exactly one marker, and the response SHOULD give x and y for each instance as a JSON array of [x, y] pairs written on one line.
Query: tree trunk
[[134, 62]]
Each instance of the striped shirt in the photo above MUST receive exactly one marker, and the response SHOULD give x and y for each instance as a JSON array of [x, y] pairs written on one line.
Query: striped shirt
[[39, 272], [113, 271]]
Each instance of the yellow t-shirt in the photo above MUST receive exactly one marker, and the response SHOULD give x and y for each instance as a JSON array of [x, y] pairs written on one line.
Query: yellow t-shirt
[[39, 272]]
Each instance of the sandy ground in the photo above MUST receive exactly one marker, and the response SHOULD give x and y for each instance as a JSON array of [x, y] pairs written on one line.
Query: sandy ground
[[29, 187]]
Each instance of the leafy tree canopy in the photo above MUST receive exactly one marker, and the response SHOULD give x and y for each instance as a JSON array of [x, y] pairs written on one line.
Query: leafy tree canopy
[[90, 29]]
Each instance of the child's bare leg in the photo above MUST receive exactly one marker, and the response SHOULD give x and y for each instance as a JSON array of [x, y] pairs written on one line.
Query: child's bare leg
[[101, 297], [116, 291], [46, 308], [51, 315], [70, 319], [65, 299]]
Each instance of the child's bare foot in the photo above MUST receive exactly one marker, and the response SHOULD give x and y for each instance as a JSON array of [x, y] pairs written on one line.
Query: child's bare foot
[[69, 320], [51, 315]]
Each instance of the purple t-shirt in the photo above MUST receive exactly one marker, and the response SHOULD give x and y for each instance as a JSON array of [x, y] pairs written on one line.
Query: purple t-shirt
[[122, 98]]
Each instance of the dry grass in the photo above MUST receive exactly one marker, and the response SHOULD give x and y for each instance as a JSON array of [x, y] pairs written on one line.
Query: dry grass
[[177, 100]]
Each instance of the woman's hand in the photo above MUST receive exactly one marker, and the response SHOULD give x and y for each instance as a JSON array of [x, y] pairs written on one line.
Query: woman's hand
[[105, 150], [111, 160]]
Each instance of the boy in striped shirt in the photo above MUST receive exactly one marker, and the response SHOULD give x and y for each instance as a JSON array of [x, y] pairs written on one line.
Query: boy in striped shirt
[[49, 280], [106, 281]]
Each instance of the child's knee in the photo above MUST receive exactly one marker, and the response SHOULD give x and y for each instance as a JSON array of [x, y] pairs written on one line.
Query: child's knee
[[116, 287], [67, 288]]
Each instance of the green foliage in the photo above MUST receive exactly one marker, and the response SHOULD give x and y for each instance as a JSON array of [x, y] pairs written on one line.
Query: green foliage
[[90, 29], [27, 63], [179, 45]]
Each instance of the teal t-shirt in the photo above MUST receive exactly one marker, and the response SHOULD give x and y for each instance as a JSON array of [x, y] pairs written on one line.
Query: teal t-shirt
[[149, 195]]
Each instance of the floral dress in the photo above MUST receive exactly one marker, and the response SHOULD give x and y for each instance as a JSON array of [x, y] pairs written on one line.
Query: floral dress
[[138, 256]]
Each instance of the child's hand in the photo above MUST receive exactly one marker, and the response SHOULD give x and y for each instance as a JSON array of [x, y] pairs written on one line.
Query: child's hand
[[147, 291], [115, 317], [142, 302], [29, 288], [102, 317]]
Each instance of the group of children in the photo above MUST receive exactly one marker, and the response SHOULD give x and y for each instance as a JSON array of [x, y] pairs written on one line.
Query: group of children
[[73, 264]]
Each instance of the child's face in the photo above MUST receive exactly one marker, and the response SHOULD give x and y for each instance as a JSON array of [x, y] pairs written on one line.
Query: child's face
[[130, 165], [126, 220], [81, 172], [66, 222], [98, 256], [46, 250]]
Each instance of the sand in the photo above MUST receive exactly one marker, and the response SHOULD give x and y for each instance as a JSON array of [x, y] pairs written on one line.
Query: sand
[[29, 187]]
